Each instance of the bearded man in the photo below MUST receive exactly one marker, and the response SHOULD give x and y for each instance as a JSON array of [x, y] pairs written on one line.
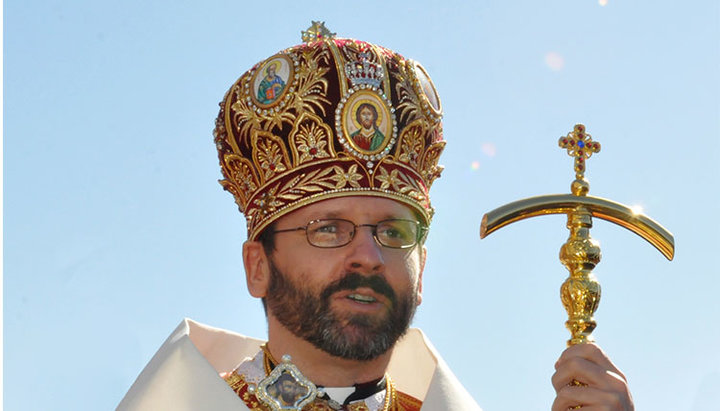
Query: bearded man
[[335, 251], [271, 86], [368, 136]]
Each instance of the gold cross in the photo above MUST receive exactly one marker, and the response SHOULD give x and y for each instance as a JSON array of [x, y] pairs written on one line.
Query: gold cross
[[580, 293], [581, 146], [317, 31]]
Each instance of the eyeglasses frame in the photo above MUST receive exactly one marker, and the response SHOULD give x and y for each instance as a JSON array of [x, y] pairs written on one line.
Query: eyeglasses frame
[[422, 231]]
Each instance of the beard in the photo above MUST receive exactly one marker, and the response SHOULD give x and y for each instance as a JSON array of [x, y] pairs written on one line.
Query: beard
[[351, 336]]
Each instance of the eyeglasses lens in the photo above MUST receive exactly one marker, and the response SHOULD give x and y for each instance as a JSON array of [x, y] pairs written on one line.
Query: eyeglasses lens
[[330, 233], [397, 233], [337, 233]]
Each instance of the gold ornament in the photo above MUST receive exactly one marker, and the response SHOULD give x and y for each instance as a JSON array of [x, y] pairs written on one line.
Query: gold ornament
[[580, 293], [329, 118]]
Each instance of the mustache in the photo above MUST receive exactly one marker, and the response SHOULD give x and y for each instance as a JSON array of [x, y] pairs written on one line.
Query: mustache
[[352, 281]]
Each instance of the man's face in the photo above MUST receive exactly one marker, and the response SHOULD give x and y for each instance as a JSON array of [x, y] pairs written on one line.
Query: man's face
[[287, 390], [367, 117], [271, 71], [353, 301]]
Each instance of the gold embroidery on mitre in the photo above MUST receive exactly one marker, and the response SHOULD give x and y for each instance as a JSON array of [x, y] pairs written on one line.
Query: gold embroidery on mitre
[[350, 131], [273, 112], [269, 154], [328, 178], [305, 91], [331, 177], [399, 182], [243, 114], [412, 143], [270, 83], [425, 90], [241, 177], [219, 132], [265, 204], [310, 139], [430, 169], [409, 102], [343, 178], [416, 92], [296, 139], [337, 176], [317, 31], [363, 66], [362, 69], [312, 85]]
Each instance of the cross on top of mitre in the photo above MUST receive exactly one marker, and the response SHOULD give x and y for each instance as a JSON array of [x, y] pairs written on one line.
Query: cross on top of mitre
[[316, 31], [580, 146]]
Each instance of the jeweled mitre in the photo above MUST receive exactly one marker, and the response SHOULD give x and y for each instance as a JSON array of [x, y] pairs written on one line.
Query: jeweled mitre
[[329, 118]]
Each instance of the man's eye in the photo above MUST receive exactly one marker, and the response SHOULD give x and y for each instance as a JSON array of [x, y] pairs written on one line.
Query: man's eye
[[325, 227], [396, 232]]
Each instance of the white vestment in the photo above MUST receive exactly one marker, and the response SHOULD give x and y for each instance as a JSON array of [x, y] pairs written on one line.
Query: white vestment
[[184, 373]]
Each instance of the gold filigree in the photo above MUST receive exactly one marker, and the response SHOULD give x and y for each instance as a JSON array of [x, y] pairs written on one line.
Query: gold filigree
[[304, 389], [355, 50], [260, 118], [309, 139], [269, 154], [581, 146], [580, 293], [268, 202], [409, 102], [317, 31], [360, 64], [307, 93], [430, 169], [399, 182], [295, 147], [312, 85], [394, 399], [312, 182], [244, 115], [332, 178], [343, 178], [240, 172], [412, 143], [219, 132]]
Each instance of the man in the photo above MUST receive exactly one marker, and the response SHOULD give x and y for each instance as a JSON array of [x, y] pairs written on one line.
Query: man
[[368, 136], [287, 390], [271, 86], [335, 251]]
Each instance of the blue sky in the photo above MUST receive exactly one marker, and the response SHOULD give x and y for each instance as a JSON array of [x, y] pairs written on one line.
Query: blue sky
[[115, 227]]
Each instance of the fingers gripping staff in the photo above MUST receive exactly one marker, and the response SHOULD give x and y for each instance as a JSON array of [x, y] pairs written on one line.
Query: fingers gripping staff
[[584, 376], [603, 385]]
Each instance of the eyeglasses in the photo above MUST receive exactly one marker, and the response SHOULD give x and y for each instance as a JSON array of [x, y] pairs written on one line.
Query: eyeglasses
[[336, 232]]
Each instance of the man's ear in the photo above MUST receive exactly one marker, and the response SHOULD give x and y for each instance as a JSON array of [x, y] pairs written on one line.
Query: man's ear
[[257, 268], [423, 257]]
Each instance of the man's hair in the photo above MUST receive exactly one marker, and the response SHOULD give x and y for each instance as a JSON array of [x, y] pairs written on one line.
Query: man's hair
[[267, 239], [369, 107], [285, 377]]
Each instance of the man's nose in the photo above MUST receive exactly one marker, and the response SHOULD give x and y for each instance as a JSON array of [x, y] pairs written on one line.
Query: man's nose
[[365, 254]]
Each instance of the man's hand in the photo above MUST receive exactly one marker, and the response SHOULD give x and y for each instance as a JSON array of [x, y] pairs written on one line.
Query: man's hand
[[604, 387]]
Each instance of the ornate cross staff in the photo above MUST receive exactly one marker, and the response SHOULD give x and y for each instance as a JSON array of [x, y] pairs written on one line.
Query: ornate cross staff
[[580, 293]]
